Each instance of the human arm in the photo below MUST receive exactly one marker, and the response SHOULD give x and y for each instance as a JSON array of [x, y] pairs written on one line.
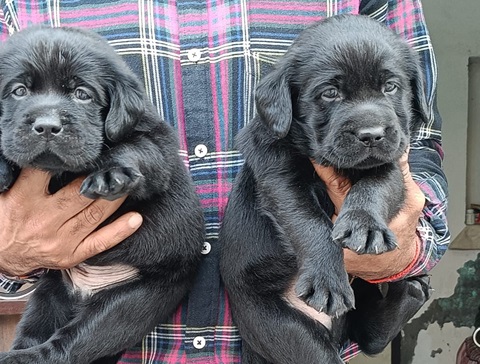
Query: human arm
[[39, 230]]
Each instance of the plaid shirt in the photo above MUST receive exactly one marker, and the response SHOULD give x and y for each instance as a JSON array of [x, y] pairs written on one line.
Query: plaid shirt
[[200, 62]]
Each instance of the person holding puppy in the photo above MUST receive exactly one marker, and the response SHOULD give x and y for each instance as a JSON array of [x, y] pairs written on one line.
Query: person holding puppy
[[200, 64]]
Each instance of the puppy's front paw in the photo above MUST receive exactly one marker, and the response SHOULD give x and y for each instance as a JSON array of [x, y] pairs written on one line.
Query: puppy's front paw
[[330, 293], [363, 233], [110, 184]]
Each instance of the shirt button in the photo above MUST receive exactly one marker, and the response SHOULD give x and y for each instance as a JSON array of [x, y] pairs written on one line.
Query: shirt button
[[199, 342], [206, 248], [194, 54], [201, 151]]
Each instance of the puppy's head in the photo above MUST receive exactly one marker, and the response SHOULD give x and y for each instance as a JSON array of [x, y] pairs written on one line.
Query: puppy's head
[[345, 93], [65, 96]]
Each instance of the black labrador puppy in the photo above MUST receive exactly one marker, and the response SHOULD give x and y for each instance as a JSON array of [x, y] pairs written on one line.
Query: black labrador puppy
[[344, 95], [71, 106]]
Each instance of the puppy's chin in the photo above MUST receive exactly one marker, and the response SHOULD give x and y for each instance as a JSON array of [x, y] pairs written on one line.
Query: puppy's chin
[[370, 162], [360, 161], [53, 164]]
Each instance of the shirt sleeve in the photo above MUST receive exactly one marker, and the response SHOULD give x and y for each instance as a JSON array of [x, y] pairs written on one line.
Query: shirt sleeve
[[426, 154]]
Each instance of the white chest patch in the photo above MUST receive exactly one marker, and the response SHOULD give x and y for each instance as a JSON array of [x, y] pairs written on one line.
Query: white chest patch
[[89, 279]]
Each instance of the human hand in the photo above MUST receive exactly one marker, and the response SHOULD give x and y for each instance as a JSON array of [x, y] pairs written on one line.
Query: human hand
[[372, 267], [39, 230]]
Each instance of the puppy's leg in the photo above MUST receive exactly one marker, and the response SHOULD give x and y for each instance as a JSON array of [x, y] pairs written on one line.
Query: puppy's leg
[[304, 227], [129, 168], [109, 322], [281, 334], [372, 202], [49, 308], [378, 319], [258, 269]]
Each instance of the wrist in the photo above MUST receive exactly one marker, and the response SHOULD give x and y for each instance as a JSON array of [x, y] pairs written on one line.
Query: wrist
[[14, 269], [384, 267], [405, 271]]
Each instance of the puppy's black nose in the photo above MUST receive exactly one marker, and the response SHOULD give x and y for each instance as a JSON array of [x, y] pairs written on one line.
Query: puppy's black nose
[[371, 136], [47, 126]]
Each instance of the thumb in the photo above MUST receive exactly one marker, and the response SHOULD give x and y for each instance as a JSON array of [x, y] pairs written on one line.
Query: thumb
[[405, 167], [337, 185], [107, 237]]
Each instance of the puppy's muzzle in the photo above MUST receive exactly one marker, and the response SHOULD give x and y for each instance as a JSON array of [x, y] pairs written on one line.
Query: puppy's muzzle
[[47, 126]]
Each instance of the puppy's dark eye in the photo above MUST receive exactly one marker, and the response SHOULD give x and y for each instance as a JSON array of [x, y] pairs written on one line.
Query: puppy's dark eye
[[19, 91], [330, 95], [390, 88], [82, 94]]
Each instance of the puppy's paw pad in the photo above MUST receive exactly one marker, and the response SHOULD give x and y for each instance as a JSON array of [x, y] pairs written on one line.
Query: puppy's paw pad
[[334, 297], [110, 184], [363, 233]]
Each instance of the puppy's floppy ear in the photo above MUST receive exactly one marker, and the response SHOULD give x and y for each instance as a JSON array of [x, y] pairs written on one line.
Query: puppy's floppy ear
[[127, 106], [274, 102], [419, 99]]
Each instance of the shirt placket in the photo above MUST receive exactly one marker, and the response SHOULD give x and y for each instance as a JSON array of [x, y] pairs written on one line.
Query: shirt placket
[[195, 70]]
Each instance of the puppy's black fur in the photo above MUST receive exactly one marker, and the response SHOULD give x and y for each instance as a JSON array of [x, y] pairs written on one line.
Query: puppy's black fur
[[71, 106], [344, 95]]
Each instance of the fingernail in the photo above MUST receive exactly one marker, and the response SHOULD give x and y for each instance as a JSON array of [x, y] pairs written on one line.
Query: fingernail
[[135, 221]]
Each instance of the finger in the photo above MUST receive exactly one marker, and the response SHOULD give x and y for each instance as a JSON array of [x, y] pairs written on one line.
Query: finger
[[68, 201], [337, 185], [107, 237], [404, 166], [31, 183], [334, 181], [88, 219]]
